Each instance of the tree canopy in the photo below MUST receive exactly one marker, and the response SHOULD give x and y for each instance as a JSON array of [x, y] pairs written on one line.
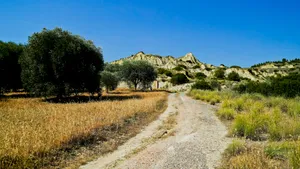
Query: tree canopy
[[200, 75], [111, 76], [220, 73], [138, 72], [56, 62], [179, 78], [10, 69], [233, 76]]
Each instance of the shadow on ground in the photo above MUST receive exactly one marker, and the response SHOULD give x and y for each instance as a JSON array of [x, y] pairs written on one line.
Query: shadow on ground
[[112, 96], [86, 99]]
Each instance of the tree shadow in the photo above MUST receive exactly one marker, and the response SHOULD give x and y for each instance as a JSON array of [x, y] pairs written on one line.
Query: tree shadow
[[16, 96], [86, 99], [152, 91]]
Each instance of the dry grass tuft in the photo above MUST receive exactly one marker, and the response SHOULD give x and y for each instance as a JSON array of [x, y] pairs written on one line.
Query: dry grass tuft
[[31, 129], [242, 156]]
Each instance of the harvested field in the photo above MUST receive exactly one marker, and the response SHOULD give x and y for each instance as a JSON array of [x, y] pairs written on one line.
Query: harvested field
[[33, 130]]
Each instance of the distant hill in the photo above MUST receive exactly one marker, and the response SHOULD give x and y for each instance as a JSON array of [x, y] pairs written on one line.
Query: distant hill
[[190, 65]]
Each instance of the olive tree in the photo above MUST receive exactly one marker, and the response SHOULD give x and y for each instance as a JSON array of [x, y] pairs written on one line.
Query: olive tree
[[10, 69], [56, 62], [138, 72], [111, 77]]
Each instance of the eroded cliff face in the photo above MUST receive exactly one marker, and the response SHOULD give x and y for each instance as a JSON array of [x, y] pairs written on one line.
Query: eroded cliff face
[[168, 62], [193, 65]]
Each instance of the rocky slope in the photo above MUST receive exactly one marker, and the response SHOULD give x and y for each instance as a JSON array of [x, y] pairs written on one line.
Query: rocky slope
[[168, 62], [191, 65]]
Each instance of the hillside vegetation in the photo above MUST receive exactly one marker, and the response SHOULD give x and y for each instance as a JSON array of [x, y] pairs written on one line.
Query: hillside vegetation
[[190, 66]]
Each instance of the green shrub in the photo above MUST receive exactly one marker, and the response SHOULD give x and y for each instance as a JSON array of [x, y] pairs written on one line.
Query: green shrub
[[200, 75], [215, 85], [179, 78], [287, 86], [196, 67], [161, 71], [233, 76], [208, 69], [219, 74], [180, 67], [226, 113], [234, 66], [201, 84], [183, 66], [164, 71], [169, 73]]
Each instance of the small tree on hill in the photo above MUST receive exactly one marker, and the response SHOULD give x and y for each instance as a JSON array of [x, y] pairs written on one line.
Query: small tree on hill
[[179, 78], [138, 72], [220, 73], [233, 76], [202, 84], [55, 62], [200, 75]]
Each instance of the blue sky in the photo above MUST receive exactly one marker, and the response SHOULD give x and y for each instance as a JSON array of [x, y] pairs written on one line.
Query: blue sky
[[232, 32]]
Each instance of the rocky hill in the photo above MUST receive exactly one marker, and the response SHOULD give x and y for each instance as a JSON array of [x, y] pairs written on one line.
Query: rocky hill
[[168, 62], [190, 66]]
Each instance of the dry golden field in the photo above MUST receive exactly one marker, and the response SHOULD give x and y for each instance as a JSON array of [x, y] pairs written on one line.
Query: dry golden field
[[30, 128]]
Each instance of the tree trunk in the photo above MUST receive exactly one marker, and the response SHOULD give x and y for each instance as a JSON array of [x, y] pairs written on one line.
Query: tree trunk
[[135, 86], [59, 97]]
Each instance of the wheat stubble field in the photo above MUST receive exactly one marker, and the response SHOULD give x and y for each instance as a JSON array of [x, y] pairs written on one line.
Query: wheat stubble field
[[34, 133]]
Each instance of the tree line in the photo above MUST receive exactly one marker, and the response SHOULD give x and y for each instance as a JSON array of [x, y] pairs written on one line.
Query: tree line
[[58, 63], [283, 61]]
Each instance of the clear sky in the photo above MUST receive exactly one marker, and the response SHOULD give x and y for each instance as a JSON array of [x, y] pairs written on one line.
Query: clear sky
[[231, 32]]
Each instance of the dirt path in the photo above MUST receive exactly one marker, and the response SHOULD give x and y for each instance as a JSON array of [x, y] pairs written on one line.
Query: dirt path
[[198, 141]]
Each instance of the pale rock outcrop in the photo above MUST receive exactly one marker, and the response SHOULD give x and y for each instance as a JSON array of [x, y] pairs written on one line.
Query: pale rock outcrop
[[168, 62]]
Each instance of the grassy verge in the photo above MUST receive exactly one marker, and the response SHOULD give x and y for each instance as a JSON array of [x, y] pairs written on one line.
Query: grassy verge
[[272, 122], [38, 134]]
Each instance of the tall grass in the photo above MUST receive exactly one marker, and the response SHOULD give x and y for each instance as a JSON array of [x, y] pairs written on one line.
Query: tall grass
[[254, 116], [30, 127], [259, 118]]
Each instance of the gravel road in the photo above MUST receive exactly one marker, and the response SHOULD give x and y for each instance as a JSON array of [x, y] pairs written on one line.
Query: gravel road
[[198, 142]]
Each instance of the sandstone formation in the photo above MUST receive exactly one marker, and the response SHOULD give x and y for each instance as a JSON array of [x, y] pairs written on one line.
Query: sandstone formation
[[192, 66]]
